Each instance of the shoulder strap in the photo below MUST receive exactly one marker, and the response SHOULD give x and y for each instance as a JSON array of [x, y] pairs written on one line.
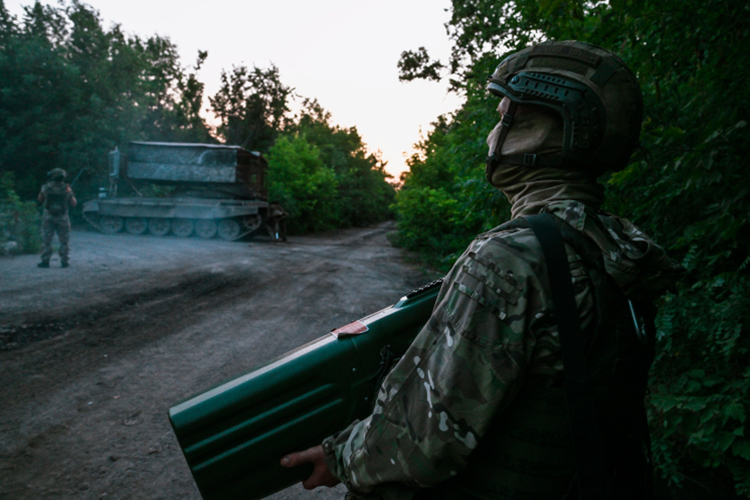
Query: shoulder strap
[[591, 464]]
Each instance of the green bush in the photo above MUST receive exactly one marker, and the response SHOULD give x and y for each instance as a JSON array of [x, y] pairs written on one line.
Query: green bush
[[363, 194], [427, 219], [305, 187], [19, 221], [444, 201], [323, 177]]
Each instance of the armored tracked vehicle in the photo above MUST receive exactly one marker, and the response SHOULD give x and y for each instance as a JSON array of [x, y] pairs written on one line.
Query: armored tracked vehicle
[[213, 190]]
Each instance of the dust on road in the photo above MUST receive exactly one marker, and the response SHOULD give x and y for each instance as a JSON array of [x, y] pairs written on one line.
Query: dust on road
[[92, 357]]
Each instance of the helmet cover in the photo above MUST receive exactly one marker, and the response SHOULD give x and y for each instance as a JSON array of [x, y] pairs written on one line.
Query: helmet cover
[[592, 89], [57, 174]]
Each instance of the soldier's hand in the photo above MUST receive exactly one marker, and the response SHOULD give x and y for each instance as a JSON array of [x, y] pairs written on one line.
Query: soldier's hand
[[67, 188], [320, 476]]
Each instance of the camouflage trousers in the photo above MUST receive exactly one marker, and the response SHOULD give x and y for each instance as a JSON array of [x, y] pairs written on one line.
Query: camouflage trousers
[[61, 226]]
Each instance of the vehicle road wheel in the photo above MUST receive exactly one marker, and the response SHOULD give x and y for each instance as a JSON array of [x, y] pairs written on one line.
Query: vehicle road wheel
[[182, 227], [111, 225], [136, 225], [205, 228], [252, 222], [229, 229], [159, 226]]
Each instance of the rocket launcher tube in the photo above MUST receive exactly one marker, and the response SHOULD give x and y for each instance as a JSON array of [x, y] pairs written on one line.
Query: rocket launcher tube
[[234, 434]]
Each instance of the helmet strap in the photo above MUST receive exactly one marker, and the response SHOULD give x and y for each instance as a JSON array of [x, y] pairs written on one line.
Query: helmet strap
[[493, 160], [533, 160]]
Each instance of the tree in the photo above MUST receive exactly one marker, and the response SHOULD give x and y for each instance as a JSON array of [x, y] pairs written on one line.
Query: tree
[[300, 181], [251, 106], [190, 104], [364, 194], [417, 64], [323, 175]]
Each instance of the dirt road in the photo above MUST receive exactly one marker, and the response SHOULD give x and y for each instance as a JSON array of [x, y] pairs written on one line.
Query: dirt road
[[92, 357]]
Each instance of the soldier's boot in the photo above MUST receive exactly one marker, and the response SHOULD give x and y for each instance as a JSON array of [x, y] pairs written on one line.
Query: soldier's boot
[[44, 263], [64, 264]]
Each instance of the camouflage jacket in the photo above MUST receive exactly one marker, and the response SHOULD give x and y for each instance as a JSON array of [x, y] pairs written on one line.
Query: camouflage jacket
[[491, 326]]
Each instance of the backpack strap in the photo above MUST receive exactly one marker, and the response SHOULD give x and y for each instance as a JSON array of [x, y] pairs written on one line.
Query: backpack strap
[[590, 458]]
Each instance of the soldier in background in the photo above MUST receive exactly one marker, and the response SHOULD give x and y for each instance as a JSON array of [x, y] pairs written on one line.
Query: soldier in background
[[56, 197]]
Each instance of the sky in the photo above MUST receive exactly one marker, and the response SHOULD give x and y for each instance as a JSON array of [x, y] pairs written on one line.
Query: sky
[[342, 52]]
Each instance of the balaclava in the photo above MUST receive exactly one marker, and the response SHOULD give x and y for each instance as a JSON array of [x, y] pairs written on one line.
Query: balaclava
[[529, 188]]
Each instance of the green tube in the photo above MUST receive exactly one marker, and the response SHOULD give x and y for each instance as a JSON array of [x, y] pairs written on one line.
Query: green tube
[[234, 434]]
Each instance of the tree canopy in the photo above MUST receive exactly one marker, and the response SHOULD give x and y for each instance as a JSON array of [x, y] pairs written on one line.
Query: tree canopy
[[252, 106], [685, 187]]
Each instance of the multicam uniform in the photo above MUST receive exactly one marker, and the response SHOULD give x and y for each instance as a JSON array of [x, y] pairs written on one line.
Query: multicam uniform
[[57, 198], [475, 406]]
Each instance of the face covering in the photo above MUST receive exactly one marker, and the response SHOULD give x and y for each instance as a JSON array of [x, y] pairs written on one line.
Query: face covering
[[538, 130], [534, 130]]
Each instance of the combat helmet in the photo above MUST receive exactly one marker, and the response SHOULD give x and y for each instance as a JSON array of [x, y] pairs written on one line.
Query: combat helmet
[[57, 174], [592, 89]]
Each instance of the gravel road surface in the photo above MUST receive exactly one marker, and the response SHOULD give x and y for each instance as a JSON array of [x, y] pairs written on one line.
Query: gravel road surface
[[92, 357]]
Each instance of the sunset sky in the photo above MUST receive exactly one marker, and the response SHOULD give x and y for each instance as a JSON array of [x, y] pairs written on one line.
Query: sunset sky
[[342, 52]]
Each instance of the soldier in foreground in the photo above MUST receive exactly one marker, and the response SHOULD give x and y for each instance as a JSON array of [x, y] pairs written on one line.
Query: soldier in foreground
[[56, 197], [477, 408]]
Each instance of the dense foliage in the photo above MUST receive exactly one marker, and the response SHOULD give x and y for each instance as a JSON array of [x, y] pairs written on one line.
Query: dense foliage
[[71, 91], [685, 187], [252, 106], [20, 222], [363, 194]]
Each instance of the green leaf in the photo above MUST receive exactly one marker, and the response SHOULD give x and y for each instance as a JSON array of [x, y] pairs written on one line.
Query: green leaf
[[712, 380], [725, 440], [736, 411], [665, 403], [741, 448], [694, 404], [739, 124], [673, 133], [693, 386]]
